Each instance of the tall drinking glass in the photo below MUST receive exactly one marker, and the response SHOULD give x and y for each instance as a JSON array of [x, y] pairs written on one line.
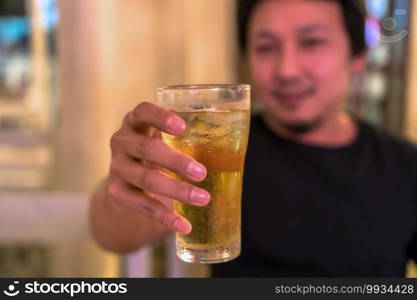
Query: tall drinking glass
[[217, 119]]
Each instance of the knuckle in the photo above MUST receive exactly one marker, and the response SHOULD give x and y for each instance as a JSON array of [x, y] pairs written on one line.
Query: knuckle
[[155, 214], [161, 216], [114, 140], [182, 191], [180, 163], [165, 218], [157, 211], [126, 118], [150, 148], [183, 163], [141, 109], [144, 105], [158, 144], [118, 196], [141, 147], [114, 190], [152, 210], [148, 179], [115, 166], [144, 147]]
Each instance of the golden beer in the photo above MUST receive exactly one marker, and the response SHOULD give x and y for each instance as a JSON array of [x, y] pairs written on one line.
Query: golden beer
[[218, 140]]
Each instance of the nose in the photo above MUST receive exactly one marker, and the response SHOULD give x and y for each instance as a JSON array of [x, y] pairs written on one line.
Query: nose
[[288, 63]]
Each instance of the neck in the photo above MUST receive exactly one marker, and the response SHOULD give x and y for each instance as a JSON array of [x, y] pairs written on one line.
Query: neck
[[337, 131]]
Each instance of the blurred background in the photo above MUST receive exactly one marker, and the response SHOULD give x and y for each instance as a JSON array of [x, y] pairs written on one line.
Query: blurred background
[[71, 69]]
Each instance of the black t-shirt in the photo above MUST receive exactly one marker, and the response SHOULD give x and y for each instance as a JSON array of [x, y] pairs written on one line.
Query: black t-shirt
[[313, 211]]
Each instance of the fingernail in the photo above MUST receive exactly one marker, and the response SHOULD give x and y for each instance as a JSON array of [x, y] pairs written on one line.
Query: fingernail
[[196, 171], [199, 196], [181, 226], [175, 125]]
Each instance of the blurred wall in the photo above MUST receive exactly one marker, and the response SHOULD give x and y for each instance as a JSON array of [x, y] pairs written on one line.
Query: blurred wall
[[113, 55]]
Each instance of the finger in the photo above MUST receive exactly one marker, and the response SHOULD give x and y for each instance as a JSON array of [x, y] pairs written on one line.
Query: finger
[[147, 114], [152, 180], [157, 152], [133, 199]]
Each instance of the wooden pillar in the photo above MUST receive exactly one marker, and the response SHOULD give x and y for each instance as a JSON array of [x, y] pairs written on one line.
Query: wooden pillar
[[82, 139], [82, 147]]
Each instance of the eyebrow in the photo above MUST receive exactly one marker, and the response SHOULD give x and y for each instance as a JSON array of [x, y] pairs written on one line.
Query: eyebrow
[[264, 34], [311, 28], [305, 29]]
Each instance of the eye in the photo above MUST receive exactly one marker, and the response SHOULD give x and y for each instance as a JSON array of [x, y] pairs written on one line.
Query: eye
[[263, 49], [312, 42]]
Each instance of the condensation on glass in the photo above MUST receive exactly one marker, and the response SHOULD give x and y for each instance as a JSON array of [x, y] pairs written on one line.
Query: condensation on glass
[[217, 127]]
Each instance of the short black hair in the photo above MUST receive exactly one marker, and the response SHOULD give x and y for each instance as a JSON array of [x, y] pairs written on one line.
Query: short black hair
[[353, 14]]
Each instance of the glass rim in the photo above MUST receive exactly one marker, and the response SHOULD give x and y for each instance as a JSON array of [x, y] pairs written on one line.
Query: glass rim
[[211, 87]]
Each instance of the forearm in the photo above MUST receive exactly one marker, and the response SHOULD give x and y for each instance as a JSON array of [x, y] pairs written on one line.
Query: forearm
[[117, 230]]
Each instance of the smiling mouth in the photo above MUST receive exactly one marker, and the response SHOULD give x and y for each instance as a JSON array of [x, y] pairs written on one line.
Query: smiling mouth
[[293, 98]]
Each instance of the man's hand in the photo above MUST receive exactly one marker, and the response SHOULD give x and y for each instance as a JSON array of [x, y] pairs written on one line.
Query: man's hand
[[137, 182]]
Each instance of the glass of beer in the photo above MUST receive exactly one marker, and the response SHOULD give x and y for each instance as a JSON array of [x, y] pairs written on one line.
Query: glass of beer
[[217, 119]]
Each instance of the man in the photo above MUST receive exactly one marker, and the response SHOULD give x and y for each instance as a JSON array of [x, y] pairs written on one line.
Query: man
[[325, 194]]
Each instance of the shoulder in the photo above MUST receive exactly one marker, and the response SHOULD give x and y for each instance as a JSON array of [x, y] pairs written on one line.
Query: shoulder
[[381, 140]]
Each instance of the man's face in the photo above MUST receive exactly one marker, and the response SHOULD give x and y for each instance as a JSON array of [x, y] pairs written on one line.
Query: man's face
[[300, 60]]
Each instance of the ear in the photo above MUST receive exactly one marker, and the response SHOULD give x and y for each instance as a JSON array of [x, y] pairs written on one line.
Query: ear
[[358, 63]]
